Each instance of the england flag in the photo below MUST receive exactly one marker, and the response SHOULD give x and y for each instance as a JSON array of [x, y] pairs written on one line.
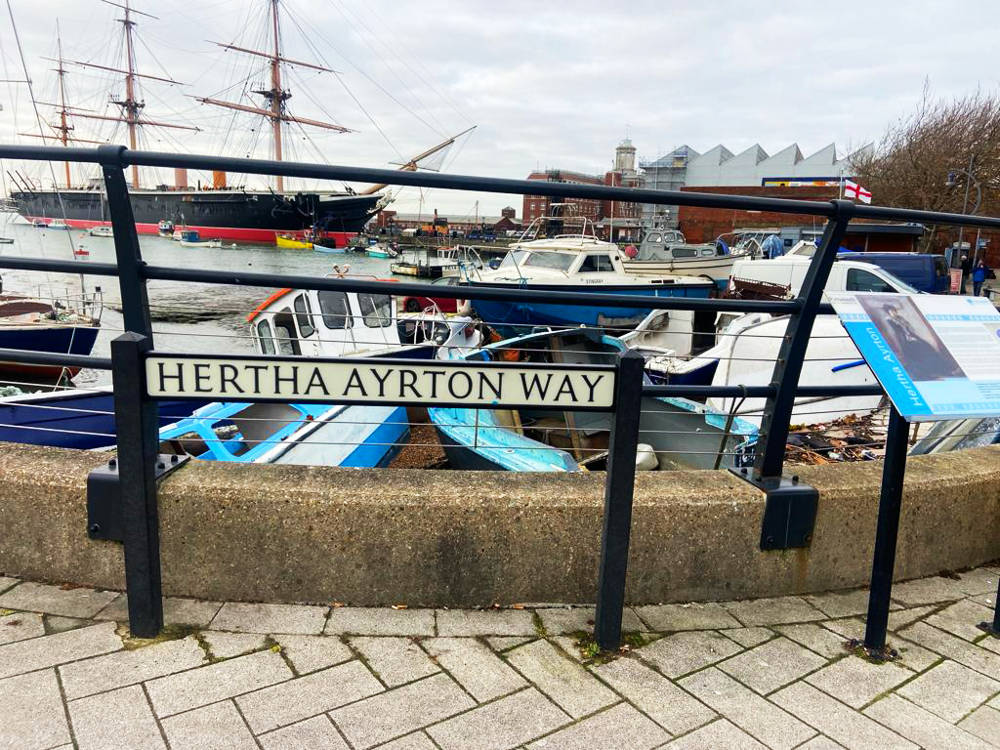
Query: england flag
[[855, 191]]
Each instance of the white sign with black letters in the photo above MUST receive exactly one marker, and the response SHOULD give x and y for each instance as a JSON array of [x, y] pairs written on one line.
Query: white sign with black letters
[[378, 380]]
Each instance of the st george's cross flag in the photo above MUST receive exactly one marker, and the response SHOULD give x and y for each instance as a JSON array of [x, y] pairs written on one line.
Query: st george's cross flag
[[854, 190]]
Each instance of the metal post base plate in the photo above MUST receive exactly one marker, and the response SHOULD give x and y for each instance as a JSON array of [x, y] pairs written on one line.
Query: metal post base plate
[[789, 510], [104, 500], [881, 655], [987, 627]]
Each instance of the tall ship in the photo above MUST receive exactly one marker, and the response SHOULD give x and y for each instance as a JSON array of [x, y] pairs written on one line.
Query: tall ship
[[216, 209]]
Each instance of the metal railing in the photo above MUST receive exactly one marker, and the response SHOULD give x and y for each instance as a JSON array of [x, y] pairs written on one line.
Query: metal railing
[[790, 505]]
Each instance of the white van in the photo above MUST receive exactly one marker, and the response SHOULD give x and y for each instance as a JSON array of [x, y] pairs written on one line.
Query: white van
[[845, 276]]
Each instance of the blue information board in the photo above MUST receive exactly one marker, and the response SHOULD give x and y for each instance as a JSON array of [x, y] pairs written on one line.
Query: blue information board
[[937, 356]]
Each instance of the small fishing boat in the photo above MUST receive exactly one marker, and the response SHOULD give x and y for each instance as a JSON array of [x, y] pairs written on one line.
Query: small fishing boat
[[673, 432], [81, 252], [344, 323], [580, 264], [191, 238], [39, 224], [287, 240], [381, 250], [328, 250], [310, 434], [58, 225], [101, 231], [660, 253], [59, 326], [165, 228]]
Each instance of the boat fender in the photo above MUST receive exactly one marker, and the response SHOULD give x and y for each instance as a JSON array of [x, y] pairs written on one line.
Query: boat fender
[[645, 458]]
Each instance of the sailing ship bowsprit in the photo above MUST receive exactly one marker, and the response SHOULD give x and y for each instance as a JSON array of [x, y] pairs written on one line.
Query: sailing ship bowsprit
[[233, 213]]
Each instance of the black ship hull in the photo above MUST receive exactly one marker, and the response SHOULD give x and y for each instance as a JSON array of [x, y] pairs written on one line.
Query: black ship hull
[[237, 215]]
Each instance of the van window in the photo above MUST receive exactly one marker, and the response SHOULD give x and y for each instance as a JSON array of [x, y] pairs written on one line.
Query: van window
[[376, 309], [266, 339], [303, 316], [940, 266], [865, 281], [596, 263], [333, 307]]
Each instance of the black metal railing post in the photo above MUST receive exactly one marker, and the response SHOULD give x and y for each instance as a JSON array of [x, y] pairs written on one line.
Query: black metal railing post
[[777, 416], [136, 421], [886, 533], [618, 490], [136, 428], [994, 628]]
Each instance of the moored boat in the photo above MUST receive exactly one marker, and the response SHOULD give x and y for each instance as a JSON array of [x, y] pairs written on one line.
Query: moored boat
[[382, 250], [579, 264], [660, 253], [50, 326], [289, 241], [673, 432], [101, 231]]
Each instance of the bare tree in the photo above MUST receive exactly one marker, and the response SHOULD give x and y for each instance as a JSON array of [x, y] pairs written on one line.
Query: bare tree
[[910, 166]]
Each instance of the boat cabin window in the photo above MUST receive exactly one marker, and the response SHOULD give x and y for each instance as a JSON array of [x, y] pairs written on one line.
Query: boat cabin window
[[865, 281], [654, 237], [376, 309], [684, 252], [334, 309], [284, 333], [596, 263], [303, 314], [266, 339]]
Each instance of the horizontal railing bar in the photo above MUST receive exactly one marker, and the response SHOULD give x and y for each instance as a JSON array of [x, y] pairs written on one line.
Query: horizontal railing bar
[[757, 391], [498, 294], [22, 263], [490, 184], [28, 357]]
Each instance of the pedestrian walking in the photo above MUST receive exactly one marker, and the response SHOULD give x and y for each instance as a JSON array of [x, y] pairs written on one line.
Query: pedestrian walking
[[966, 267], [978, 277]]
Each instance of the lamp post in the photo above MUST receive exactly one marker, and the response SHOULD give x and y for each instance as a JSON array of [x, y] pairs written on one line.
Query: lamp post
[[951, 182]]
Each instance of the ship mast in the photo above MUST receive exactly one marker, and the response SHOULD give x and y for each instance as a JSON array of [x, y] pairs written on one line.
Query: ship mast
[[413, 164], [276, 96], [131, 107], [64, 127]]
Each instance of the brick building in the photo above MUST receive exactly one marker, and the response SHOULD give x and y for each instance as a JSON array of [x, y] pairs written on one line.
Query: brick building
[[701, 224], [611, 218]]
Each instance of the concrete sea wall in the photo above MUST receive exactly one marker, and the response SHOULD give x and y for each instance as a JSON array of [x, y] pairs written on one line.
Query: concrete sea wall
[[370, 537]]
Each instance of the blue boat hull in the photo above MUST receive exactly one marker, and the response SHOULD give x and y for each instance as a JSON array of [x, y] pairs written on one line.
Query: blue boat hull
[[73, 420], [514, 313], [50, 339]]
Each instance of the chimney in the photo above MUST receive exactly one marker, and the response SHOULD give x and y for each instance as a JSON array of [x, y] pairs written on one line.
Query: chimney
[[180, 178], [218, 179]]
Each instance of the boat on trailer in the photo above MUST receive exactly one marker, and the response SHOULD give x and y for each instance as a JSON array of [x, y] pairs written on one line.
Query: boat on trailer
[[673, 432]]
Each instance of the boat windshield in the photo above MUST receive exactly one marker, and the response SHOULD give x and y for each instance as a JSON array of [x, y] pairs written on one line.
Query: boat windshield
[[376, 309], [537, 259]]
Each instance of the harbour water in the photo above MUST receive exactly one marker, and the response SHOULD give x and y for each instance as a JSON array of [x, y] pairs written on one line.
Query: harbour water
[[186, 316]]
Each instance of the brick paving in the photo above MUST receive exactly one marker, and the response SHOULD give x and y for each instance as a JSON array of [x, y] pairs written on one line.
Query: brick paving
[[771, 673]]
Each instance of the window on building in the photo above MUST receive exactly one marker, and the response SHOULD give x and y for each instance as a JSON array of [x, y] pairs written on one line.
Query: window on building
[[335, 310], [303, 316]]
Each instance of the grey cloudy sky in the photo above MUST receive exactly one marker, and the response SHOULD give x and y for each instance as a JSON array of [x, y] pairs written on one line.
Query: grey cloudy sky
[[549, 85]]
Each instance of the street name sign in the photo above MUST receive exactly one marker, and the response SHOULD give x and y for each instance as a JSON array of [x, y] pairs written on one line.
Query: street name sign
[[378, 380], [937, 356]]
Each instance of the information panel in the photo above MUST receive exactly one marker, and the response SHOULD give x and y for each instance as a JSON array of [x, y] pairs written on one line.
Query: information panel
[[428, 382], [937, 356]]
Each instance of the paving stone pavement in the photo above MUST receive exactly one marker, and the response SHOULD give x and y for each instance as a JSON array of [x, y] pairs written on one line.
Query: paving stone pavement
[[771, 673]]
